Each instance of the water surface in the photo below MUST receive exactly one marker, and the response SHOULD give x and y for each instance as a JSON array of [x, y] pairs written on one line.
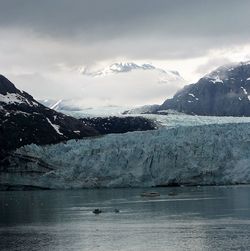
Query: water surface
[[194, 218]]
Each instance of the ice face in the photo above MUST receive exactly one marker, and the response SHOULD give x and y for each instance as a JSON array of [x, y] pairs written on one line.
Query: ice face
[[195, 155]]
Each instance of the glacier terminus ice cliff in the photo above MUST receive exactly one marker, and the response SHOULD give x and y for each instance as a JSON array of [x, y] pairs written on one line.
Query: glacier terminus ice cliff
[[204, 154]]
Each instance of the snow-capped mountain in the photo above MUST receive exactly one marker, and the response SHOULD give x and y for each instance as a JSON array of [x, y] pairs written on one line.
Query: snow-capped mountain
[[223, 92], [118, 86], [119, 68], [23, 120], [165, 76]]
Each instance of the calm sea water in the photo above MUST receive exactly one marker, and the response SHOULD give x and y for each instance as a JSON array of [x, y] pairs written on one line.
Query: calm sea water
[[195, 218]]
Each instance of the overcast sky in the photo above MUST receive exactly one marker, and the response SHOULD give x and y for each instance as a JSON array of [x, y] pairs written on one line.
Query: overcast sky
[[44, 43]]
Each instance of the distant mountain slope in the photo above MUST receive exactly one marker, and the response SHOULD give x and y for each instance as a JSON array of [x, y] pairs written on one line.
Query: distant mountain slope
[[223, 92], [24, 121], [119, 84], [61, 104], [146, 109], [112, 124]]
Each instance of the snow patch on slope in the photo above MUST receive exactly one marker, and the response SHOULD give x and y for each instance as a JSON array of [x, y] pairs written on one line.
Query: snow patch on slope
[[56, 127], [15, 98], [12, 98], [244, 90], [217, 80]]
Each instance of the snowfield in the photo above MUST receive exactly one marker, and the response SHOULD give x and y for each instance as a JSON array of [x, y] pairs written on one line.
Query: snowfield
[[191, 150], [15, 98]]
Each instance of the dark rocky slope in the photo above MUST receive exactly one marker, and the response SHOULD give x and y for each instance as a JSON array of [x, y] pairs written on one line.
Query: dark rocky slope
[[24, 121], [223, 92], [106, 125]]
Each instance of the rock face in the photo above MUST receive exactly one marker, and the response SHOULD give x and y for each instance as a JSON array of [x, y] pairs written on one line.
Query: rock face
[[196, 155], [106, 125], [24, 121], [223, 92]]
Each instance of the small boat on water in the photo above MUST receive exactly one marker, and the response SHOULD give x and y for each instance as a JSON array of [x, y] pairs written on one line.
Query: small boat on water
[[150, 194], [97, 211], [172, 194]]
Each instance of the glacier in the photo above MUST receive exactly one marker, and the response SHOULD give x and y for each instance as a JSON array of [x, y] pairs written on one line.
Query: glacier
[[201, 154]]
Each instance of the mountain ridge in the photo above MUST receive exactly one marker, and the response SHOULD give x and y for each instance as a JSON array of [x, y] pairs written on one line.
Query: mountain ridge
[[23, 121], [165, 76], [222, 92]]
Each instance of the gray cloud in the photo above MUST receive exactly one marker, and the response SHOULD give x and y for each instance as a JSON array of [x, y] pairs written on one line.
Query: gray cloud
[[184, 27], [44, 42], [212, 64], [110, 16]]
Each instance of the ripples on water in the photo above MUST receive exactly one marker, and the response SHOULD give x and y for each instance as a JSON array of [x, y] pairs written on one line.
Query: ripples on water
[[197, 218]]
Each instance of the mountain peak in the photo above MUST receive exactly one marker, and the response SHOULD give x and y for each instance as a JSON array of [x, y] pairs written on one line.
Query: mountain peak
[[241, 71], [122, 67], [164, 76], [223, 92], [119, 67], [6, 86], [130, 66], [23, 120]]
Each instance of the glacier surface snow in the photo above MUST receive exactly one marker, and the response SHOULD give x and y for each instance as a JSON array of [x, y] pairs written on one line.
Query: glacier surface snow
[[204, 154]]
